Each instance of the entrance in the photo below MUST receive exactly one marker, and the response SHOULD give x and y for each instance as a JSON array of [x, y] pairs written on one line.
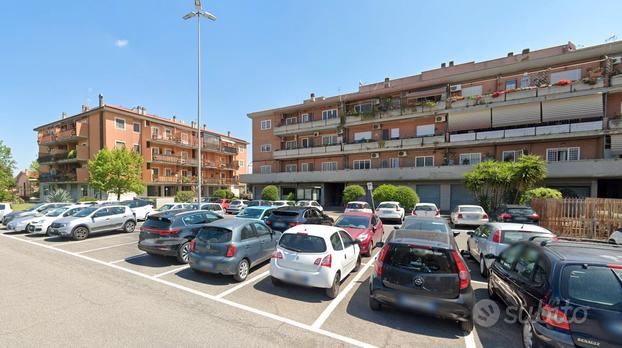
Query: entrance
[[333, 194]]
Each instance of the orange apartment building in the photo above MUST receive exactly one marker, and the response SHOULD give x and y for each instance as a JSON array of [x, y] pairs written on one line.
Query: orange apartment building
[[168, 146], [428, 130]]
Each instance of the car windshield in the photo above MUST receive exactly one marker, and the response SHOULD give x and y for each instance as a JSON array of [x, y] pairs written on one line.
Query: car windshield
[[85, 212], [471, 209], [253, 213], [425, 225], [56, 212], [593, 286], [214, 235], [34, 207], [302, 243], [356, 206], [235, 202], [387, 205], [510, 237], [520, 211], [425, 207], [352, 221], [166, 207]]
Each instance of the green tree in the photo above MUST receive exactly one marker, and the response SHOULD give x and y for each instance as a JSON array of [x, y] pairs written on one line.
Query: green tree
[[526, 172], [291, 196], [34, 166], [353, 193], [7, 166], [59, 195], [406, 196], [270, 193], [384, 193], [184, 196], [117, 171], [223, 193], [540, 192]]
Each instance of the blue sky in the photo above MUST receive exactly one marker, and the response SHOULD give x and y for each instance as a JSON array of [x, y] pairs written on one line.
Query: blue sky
[[58, 55]]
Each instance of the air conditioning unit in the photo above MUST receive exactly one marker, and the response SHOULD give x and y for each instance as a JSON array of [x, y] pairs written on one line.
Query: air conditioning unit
[[375, 155], [402, 153], [455, 88], [616, 60], [316, 134], [377, 126], [439, 119]]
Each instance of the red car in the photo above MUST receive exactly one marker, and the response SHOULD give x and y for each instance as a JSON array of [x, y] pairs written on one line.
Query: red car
[[224, 203], [366, 227]]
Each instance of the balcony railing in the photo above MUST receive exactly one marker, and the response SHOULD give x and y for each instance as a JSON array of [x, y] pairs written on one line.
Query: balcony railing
[[58, 177], [220, 181], [528, 131], [173, 140], [64, 157], [174, 160], [73, 133]]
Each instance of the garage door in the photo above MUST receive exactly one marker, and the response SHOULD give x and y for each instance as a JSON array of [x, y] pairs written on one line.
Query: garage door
[[460, 195], [429, 194]]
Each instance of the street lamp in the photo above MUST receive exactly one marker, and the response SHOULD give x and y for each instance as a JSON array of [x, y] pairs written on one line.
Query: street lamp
[[198, 12]]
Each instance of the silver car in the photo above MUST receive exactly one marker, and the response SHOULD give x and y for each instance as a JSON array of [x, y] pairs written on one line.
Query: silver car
[[95, 219], [492, 238], [38, 209], [236, 206]]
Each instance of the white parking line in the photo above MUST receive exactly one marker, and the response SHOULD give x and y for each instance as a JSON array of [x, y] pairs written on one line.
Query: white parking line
[[104, 248], [243, 284], [479, 282], [469, 340], [342, 294], [125, 259], [171, 271], [92, 239], [276, 317]]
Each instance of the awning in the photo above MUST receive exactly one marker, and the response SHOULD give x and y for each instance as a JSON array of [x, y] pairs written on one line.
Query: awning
[[478, 119], [572, 108], [616, 144], [516, 115], [426, 93]]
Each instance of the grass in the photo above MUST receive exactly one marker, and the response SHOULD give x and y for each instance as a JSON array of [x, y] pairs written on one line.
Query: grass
[[21, 206]]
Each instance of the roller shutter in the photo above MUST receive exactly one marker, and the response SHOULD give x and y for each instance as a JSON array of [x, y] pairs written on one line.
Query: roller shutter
[[516, 115], [429, 194], [460, 195], [478, 119], [616, 144], [572, 108]]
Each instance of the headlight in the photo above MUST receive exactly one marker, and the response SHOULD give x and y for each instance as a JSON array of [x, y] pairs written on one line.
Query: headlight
[[61, 225], [363, 236], [35, 221]]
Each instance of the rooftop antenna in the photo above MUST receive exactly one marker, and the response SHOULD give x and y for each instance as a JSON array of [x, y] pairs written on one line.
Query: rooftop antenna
[[612, 37]]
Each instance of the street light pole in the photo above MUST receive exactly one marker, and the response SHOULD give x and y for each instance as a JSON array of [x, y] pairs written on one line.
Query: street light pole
[[198, 12]]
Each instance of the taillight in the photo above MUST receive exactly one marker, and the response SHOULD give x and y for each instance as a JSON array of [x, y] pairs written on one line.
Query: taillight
[[230, 250], [505, 216], [397, 208], [193, 245], [292, 224], [496, 236], [554, 317], [380, 260], [414, 213], [268, 222], [327, 261], [535, 216], [613, 266], [463, 272], [438, 212], [277, 255], [160, 232], [484, 216], [459, 216]]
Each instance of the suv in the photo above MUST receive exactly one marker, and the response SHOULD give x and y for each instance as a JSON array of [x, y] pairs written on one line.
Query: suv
[[567, 293], [286, 217], [424, 272], [140, 207], [95, 219], [521, 214]]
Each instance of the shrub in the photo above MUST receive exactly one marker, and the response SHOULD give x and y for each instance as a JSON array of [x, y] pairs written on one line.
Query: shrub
[[59, 195], [406, 196], [353, 193], [223, 193], [270, 193], [291, 196], [384, 193], [87, 199], [184, 196], [540, 192], [71, 154]]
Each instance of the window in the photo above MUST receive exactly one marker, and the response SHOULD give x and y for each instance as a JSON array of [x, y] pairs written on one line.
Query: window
[[425, 130], [168, 172], [306, 117], [242, 148], [328, 114], [471, 91], [395, 133], [361, 136], [184, 173], [361, 164], [335, 241], [136, 127], [327, 166], [266, 147], [265, 169], [526, 263], [563, 154], [424, 161], [511, 156], [329, 140], [305, 167], [241, 163], [470, 158], [119, 123], [571, 75], [168, 133], [291, 120], [136, 148], [347, 240], [395, 162], [184, 155], [290, 168], [262, 230], [155, 151], [266, 124], [365, 108], [156, 172], [247, 233], [101, 212], [306, 142], [510, 84], [119, 144], [507, 258], [155, 132], [291, 144], [184, 138], [168, 152]]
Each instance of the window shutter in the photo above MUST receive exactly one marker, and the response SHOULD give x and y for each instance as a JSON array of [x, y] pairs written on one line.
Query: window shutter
[[385, 134], [573, 154], [550, 155]]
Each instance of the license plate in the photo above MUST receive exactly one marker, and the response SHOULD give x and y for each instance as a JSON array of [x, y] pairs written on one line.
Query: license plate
[[206, 264], [296, 278], [472, 217], [422, 306], [520, 218], [279, 224]]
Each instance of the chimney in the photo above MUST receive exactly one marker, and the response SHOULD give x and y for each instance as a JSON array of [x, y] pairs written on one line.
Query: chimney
[[443, 65], [144, 110], [386, 82], [228, 133], [174, 118], [312, 97], [451, 63], [85, 108], [101, 100], [192, 124], [525, 51], [510, 54], [204, 126], [64, 115]]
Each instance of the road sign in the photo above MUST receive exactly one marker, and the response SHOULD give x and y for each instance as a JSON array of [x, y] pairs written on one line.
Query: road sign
[[370, 186]]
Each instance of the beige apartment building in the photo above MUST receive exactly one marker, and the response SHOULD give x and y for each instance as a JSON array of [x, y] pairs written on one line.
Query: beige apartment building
[[428, 130], [168, 146]]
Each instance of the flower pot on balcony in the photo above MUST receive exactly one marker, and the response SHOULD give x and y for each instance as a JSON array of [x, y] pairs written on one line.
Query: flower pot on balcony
[[525, 93], [554, 90], [588, 84], [493, 98], [459, 103]]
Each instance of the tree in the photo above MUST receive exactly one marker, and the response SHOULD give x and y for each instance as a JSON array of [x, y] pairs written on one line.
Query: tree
[[270, 193], [184, 196], [59, 195], [353, 193], [34, 166], [223, 193], [7, 166], [117, 171], [384, 193], [406, 196], [540, 192], [528, 170], [291, 196]]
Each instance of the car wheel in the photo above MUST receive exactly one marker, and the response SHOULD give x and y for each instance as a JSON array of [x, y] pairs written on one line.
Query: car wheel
[[611, 241], [276, 281], [482, 266], [527, 333], [467, 326], [333, 291], [242, 273], [129, 226], [470, 256], [374, 304], [47, 231], [358, 262], [80, 233], [371, 248], [491, 291], [183, 252]]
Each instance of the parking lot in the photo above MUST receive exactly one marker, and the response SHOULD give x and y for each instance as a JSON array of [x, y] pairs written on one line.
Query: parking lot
[[288, 314]]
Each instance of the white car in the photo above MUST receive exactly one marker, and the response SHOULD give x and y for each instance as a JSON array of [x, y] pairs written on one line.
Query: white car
[[468, 215], [170, 206], [426, 210], [315, 256], [314, 204], [390, 211], [283, 203], [357, 206], [214, 208], [616, 237], [42, 224], [5, 208], [140, 207]]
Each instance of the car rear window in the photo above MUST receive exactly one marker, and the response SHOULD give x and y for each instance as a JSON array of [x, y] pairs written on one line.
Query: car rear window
[[285, 213], [302, 243], [425, 208], [425, 225], [388, 205], [596, 286], [214, 235], [418, 259], [509, 237], [356, 206], [158, 223], [520, 211], [471, 209]]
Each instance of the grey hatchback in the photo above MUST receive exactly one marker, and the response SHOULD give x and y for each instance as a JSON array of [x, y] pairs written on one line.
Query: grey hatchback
[[232, 247]]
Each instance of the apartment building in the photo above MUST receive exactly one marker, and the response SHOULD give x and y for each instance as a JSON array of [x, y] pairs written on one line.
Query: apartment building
[[428, 130], [168, 146]]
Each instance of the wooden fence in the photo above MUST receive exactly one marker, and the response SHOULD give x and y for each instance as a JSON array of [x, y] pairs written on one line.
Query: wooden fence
[[593, 218]]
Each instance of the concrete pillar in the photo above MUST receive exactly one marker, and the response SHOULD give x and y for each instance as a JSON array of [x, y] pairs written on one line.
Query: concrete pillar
[[594, 189], [445, 197]]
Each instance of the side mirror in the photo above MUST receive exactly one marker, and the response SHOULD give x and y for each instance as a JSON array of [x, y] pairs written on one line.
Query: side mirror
[[356, 241], [456, 233], [491, 257], [380, 244], [470, 233]]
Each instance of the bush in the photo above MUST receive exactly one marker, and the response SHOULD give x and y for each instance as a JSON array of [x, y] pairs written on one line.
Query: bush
[[184, 196], [87, 199], [223, 193], [353, 193], [406, 196], [384, 193], [59, 195], [270, 193], [291, 197], [540, 192]]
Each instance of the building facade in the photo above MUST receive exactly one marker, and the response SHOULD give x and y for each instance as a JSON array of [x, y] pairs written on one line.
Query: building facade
[[168, 146], [26, 183], [428, 130]]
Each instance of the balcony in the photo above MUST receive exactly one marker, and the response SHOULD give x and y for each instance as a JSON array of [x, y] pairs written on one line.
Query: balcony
[[615, 123], [220, 181], [58, 177], [77, 155], [223, 166], [76, 132], [528, 132], [228, 150], [178, 160], [307, 126], [173, 140]]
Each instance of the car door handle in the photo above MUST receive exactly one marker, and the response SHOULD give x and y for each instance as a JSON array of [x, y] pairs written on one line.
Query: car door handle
[[247, 247]]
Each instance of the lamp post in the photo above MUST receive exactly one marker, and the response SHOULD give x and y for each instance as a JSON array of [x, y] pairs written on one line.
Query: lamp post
[[198, 12]]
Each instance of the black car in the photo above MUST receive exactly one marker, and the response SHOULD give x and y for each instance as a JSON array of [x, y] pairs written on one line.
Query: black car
[[423, 272], [169, 233], [521, 214], [566, 293], [286, 217]]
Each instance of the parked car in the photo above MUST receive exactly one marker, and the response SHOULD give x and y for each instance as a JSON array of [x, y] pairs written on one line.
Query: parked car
[[286, 217], [5, 208], [42, 224], [224, 203], [365, 227], [257, 203], [357, 206], [170, 206], [424, 272], [426, 210], [313, 204], [315, 256], [214, 208], [232, 247], [140, 207], [390, 211], [425, 224], [516, 213], [23, 224], [236, 205], [568, 294], [256, 212], [170, 233], [472, 215], [492, 238], [283, 203], [40, 208], [616, 237], [94, 219]]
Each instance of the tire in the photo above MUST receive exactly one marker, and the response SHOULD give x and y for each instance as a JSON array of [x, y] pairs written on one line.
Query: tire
[[483, 270], [183, 252], [243, 270], [527, 333], [80, 233], [374, 304], [467, 326], [129, 226], [333, 291], [358, 263], [276, 281], [371, 247], [491, 291], [469, 251], [47, 231]]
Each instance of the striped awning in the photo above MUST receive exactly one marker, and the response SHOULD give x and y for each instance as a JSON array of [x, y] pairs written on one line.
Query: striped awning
[[521, 114], [469, 120], [572, 108]]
